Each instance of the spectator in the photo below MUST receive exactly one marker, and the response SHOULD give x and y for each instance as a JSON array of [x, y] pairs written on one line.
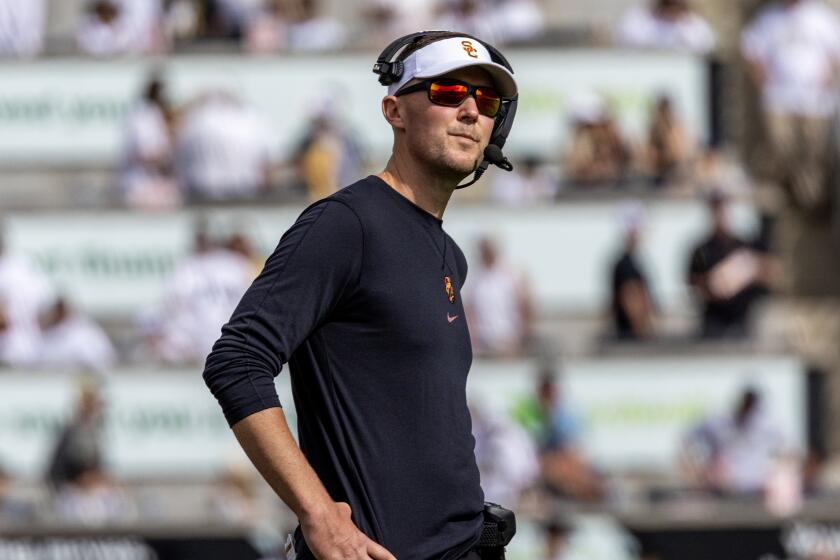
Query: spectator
[[729, 275], [146, 176], [23, 293], [734, 453], [792, 49], [222, 150], [328, 155], [498, 306], [114, 27], [73, 342], [556, 540], [13, 507], [528, 185], [517, 21], [182, 19], [311, 31], [79, 445], [268, 28], [562, 463], [91, 498], [21, 27], [200, 298], [632, 306], [597, 154], [235, 498], [506, 456], [667, 145], [666, 24], [385, 20], [228, 19], [240, 244], [466, 16]]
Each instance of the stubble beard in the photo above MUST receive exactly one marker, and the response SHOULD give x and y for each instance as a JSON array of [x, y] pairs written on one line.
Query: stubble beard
[[443, 163]]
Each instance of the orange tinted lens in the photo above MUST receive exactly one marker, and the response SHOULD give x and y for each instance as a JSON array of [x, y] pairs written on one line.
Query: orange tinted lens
[[448, 94], [488, 101]]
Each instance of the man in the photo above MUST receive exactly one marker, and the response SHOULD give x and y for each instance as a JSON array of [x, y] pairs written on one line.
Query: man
[[22, 28], [792, 49], [73, 342], [362, 298], [666, 24], [632, 305], [728, 275], [499, 306], [223, 150], [24, 291], [199, 298], [734, 453]]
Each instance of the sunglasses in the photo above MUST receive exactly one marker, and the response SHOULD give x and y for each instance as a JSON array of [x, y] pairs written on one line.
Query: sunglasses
[[451, 93]]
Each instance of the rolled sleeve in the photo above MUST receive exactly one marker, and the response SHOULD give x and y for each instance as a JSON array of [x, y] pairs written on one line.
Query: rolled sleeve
[[316, 264]]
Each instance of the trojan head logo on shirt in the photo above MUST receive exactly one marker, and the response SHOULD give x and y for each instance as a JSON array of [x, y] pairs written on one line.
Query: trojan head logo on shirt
[[450, 291], [469, 48]]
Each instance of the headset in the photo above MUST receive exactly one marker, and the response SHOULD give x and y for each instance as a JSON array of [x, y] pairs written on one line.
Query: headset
[[390, 69]]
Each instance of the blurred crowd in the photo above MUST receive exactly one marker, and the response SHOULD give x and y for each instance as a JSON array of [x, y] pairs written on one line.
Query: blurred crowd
[[143, 27], [105, 28], [215, 148]]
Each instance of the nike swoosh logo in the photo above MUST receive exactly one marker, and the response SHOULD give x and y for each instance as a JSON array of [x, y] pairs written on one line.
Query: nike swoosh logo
[[450, 317]]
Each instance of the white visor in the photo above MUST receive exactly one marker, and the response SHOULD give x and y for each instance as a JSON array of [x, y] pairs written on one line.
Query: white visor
[[451, 54]]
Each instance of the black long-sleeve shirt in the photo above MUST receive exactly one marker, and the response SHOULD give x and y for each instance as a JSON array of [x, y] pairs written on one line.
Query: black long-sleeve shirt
[[362, 298]]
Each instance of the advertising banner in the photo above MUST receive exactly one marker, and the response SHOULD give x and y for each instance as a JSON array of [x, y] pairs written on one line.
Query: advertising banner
[[117, 263], [632, 412]]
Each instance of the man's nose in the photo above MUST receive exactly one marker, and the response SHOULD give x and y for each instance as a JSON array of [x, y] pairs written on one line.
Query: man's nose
[[468, 111]]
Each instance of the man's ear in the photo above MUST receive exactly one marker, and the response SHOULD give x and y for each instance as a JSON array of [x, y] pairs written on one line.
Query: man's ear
[[392, 111]]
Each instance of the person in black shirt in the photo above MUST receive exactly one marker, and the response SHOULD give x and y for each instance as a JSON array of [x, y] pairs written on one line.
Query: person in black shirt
[[632, 307], [729, 275], [362, 297]]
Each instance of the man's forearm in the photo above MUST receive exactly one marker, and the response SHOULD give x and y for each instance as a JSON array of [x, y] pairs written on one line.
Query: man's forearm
[[267, 441]]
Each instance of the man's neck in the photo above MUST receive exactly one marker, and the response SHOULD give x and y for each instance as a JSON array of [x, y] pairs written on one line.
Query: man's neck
[[429, 192]]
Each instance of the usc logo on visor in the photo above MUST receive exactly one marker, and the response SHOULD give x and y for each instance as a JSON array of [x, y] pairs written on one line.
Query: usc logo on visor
[[469, 48]]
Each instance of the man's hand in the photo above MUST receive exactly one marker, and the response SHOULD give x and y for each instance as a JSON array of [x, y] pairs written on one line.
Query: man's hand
[[327, 526], [332, 535]]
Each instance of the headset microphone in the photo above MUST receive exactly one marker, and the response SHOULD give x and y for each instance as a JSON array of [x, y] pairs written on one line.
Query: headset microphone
[[492, 154]]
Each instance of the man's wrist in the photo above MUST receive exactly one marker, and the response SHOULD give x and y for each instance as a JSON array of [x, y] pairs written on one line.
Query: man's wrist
[[312, 512]]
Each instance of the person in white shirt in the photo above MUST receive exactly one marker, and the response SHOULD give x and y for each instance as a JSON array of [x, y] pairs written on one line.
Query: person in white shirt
[[517, 21], [114, 27], [73, 342], [506, 456], [528, 185], [200, 298], [734, 453], [146, 177], [222, 150], [498, 306], [792, 49], [314, 32], [666, 24], [24, 291], [467, 16], [21, 27]]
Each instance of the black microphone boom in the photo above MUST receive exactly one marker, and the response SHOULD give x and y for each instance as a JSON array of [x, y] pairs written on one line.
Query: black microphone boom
[[492, 154]]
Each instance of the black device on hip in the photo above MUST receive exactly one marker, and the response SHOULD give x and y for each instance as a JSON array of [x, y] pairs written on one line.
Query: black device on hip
[[497, 531]]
